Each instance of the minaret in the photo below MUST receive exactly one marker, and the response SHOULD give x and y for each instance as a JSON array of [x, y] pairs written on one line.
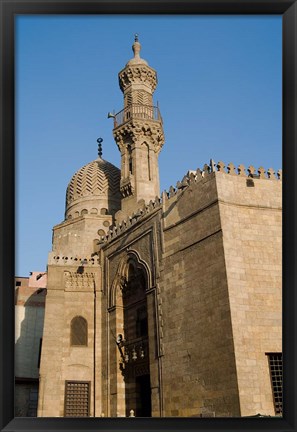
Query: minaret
[[138, 132]]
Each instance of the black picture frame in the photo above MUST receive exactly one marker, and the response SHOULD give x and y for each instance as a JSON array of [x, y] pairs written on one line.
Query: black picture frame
[[288, 10]]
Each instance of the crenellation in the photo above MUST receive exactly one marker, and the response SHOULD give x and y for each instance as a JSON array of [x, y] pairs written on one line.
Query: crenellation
[[206, 170], [241, 170], [171, 191], [271, 174], [251, 171], [199, 174], [220, 166], [261, 172], [231, 169]]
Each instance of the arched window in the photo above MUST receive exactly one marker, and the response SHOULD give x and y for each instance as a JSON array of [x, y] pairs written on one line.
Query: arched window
[[79, 331], [130, 159]]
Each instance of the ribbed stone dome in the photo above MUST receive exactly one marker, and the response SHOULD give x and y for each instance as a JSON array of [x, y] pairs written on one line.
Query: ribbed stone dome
[[93, 187]]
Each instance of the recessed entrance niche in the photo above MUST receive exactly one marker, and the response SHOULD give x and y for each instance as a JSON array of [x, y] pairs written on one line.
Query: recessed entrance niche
[[136, 374], [132, 325]]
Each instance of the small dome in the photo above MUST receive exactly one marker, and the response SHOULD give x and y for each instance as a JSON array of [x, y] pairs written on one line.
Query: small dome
[[94, 186]]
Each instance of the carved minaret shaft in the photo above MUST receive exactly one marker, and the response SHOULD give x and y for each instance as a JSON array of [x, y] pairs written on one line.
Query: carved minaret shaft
[[138, 132]]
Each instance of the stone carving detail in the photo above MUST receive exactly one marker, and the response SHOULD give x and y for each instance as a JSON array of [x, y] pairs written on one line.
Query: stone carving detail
[[206, 169], [261, 172], [271, 174], [63, 260], [135, 129], [241, 170], [251, 170], [96, 178], [79, 282], [220, 166], [231, 169], [137, 74], [127, 186]]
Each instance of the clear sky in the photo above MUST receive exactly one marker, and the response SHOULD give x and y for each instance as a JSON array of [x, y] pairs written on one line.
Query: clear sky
[[219, 92]]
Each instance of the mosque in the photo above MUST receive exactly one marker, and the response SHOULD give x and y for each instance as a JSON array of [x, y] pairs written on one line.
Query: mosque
[[163, 305]]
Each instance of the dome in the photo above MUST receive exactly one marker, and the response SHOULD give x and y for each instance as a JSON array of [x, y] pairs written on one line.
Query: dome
[[94, 187]]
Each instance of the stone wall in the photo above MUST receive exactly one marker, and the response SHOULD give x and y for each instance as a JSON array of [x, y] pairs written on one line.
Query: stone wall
[[70, 294], [199, 374], [251, 215]]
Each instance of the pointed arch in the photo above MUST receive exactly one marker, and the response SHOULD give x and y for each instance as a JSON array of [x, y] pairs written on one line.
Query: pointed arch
[[79, 331], [131, 259]]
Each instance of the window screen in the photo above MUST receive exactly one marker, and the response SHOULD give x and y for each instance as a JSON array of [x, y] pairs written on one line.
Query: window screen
[[276, 374], [79, 331], [77, 399]]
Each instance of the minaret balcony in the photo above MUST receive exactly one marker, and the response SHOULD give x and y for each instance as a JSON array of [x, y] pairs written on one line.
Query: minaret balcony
[[139, 112]]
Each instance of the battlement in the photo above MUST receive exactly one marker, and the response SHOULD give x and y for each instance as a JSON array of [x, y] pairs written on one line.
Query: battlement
[[192, 177], [251, 171], [120, 227]]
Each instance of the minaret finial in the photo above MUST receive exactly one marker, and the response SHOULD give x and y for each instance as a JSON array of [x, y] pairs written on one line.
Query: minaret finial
[[136, 47], [99, 141]]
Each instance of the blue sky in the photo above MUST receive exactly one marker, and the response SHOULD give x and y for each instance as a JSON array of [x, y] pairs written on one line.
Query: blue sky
[[219, 93]]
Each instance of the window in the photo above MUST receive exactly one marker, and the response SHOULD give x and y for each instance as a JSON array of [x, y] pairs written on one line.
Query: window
[[79, 332], [130, 161], [276, 375], [77, 399], [18, 283]]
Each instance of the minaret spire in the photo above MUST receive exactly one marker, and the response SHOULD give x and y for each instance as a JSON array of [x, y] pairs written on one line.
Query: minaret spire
[[136, 47], [100, 141], [138, 132]]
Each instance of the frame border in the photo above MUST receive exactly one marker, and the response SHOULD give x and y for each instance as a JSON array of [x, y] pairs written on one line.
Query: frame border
[[8, 10]]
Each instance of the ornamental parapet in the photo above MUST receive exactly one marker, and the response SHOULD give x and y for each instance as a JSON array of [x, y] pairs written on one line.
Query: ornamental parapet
[[192, 177], [138, 74], [135, 129]]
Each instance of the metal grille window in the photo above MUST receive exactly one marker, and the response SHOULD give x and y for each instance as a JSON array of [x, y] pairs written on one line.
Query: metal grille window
[[77, 399], [276, 374], [79, 332]]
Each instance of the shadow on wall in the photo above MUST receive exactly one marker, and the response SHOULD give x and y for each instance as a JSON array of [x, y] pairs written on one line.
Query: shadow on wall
[[29, 320]]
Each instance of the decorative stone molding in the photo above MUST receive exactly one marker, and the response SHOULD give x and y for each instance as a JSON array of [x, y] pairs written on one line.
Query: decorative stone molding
[[231, 169], [79, 281], [98, 177], [135, 74], [251, 171], [133, 130], [127, 186], [63, 260]]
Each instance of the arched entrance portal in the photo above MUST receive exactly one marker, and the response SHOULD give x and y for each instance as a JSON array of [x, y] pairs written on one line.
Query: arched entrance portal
[[136, 368]]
